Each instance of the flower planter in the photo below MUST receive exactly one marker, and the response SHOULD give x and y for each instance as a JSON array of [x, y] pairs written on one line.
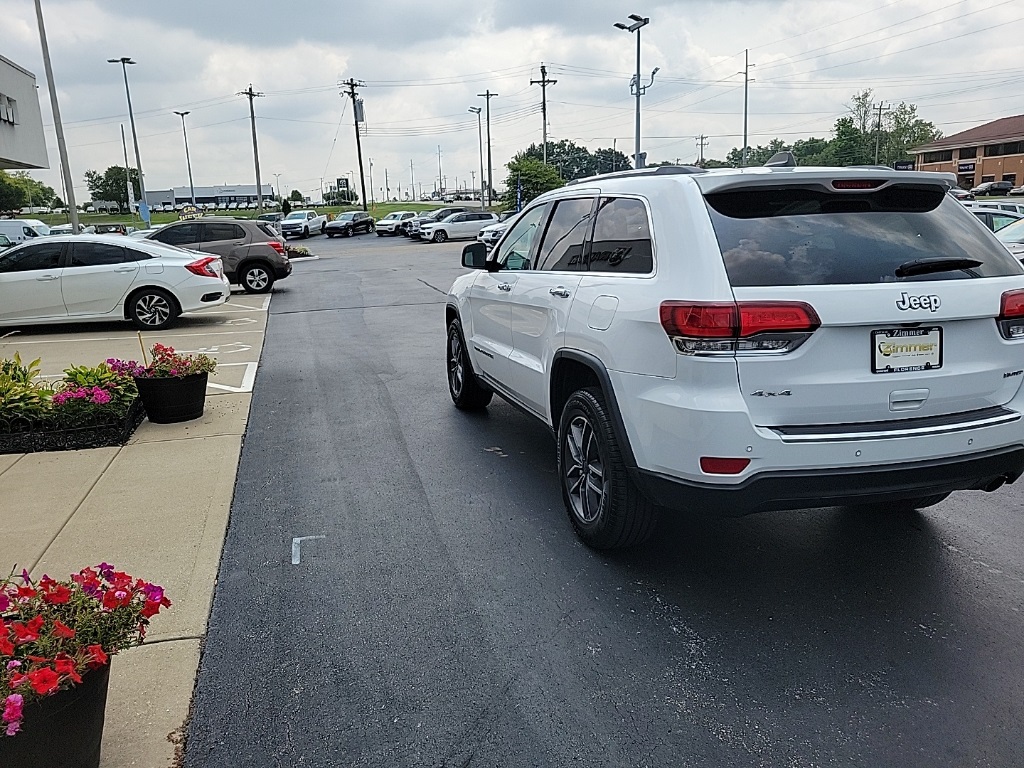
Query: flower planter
[[63, 730], [173, 399], [23, 436]]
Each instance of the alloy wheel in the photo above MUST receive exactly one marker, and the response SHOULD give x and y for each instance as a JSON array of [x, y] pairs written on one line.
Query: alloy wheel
[[584, 470], [456, 368], [152, 309], [257, 278]]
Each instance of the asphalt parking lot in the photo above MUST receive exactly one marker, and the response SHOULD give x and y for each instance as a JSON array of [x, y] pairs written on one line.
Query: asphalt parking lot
[[232, 333], [440, 611]]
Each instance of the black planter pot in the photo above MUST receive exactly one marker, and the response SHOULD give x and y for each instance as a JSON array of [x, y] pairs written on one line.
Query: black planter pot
[[63, 730], [174, 399]]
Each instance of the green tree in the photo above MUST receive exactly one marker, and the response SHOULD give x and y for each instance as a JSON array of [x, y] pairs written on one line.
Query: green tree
[[57, 203], [286, 207], [535, 178], [296, 196], [36, 193], [904, 130], [12, 196], [112, 185]]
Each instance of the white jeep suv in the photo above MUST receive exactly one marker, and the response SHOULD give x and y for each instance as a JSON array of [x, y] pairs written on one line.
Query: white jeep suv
[[745, 340]]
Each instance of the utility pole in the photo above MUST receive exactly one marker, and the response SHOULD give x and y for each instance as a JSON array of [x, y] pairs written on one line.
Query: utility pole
[[440, 178], [370, 160], [544, 83], [412, 179], [188, 160], [878, 126], [490, 172], [357, 113], [124, 61], [702, 141], [65, 168], [277, 183], [387, 186], [251, 94], [746, 88]]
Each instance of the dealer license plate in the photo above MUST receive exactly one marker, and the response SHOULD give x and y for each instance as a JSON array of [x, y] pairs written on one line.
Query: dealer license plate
[[899, 350]]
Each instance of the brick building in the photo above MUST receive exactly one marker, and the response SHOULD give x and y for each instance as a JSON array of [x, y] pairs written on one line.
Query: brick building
[[990, 152]]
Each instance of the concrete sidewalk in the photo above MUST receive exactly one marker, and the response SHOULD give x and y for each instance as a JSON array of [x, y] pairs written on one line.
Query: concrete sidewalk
[[157, 508]]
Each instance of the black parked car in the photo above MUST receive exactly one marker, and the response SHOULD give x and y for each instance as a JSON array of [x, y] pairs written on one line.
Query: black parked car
[[993, 188], [353, 223]]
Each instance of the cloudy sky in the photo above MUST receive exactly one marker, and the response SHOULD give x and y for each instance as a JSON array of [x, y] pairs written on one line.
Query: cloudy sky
[[423, 64]]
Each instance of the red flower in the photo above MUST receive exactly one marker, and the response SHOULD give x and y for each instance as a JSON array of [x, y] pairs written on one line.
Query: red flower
[[27, 633], [66, 666], [55, 594], [151, 608], [17, 679], [44, 680], [6, 646], [60, 629], [97, 656], [115, 598], [26, 592]]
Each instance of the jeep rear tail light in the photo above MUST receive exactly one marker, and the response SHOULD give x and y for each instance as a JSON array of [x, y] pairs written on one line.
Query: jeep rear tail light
[[276, 246], [1011, 315], [744, 327], [206, 267]]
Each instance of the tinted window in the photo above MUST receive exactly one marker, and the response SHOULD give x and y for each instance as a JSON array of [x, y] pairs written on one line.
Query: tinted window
[[133, 255], [183, 234], [622, 238], [1013, 233], [515, 249], [562, 248], [222, 231], [796, 236], [95, 254], [42, 256], [267, 230]]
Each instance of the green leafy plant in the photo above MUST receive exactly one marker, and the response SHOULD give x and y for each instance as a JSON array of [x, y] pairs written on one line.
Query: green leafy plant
[[120, 387], [18, 371]]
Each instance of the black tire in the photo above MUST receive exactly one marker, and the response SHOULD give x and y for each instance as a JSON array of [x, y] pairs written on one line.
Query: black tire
[[467, 391], [323, 227], [616, 514], [256, 278], [152, 309], [330, 235], [346, 233], [305, 232], [440, 236]]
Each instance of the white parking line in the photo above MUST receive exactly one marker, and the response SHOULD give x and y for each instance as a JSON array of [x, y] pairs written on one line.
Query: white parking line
[[248, 378]]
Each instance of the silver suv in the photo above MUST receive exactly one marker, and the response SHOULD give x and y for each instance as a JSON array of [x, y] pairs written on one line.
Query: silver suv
[[252, 251], [747, 340]]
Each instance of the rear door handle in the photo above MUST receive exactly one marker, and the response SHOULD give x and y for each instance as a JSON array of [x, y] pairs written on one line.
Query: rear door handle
[[560, 292], [46, 278], [504, 286]]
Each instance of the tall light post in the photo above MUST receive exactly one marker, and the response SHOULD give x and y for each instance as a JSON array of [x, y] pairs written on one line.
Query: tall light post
[[65, 168], [124, 61], [188, 160], [636, 86], [277, 183], [480, 137]]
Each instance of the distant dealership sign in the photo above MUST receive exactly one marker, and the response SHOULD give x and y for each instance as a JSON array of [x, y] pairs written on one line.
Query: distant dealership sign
[[965, 168], [342, 183], [189, 212], [903, 165]]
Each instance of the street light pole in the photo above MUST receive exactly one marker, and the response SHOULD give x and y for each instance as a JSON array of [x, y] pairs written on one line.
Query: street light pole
[[65, 168], [490, 168], [480, 138], [277, 183], [636, 86], [124, 61], [188, 160]]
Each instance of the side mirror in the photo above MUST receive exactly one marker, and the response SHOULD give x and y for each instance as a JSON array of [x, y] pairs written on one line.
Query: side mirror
[[474, 256]]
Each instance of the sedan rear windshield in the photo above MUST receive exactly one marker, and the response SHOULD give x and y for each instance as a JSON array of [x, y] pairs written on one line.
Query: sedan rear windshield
[[814, 236]]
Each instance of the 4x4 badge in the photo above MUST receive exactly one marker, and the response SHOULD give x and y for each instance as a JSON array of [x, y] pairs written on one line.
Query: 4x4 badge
[[906, 301]]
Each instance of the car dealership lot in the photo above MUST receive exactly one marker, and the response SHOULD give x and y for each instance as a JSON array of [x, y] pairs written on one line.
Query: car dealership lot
[[449, 615]]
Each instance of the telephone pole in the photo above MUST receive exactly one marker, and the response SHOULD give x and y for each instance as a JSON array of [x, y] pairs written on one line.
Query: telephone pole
[[490, 174], [387, 186], [251, 94], [746, 88], [702, 141], [440, 178], [544, 83], [412, 179], [357, 113], [878, 126]]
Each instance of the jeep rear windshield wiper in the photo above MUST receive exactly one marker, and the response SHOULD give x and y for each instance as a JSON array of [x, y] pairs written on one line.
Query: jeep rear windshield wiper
[[939, 264]]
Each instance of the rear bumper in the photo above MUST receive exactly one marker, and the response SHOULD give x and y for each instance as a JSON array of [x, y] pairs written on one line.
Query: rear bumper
[[833, 487]]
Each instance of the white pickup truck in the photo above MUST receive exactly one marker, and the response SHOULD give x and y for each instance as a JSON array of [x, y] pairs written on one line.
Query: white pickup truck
[[303, 224]]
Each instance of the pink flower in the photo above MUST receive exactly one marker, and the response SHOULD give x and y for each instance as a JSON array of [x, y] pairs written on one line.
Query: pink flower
[[13, 728], [13, 705], [13, 664]]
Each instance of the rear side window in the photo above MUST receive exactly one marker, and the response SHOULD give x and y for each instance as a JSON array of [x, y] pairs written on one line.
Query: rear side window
[[184, 234], [222, 231], [813, 236], [96, 254], [267, 230], [622, 237], [562, 249]]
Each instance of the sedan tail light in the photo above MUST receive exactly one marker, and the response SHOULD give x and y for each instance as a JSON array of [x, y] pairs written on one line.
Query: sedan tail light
[[206, 267], [744, 327]]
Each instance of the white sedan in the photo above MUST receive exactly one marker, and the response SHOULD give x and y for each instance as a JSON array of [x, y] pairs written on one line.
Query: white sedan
[[69, 279], [458, 226]]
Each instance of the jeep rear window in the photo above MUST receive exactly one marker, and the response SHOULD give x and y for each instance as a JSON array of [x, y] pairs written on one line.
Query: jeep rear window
[[813, 236]]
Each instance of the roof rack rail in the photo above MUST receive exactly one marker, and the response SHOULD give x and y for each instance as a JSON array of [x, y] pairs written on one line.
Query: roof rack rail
[[871, 167], [781, 160], [660, 170]]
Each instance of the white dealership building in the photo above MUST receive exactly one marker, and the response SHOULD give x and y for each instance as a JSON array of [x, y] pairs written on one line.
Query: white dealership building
[[22, 142]]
